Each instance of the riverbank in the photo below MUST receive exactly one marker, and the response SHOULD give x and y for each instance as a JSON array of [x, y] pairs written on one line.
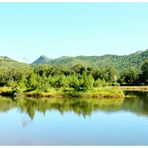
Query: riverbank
[[101, 92], [134, 88]]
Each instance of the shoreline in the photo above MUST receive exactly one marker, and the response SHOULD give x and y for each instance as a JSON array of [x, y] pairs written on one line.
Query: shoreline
[[134, 88], [102, 92]]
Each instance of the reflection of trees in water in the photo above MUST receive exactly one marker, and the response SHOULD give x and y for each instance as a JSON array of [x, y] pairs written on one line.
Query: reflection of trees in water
[[81, 106], [138, 104], [6, 104]]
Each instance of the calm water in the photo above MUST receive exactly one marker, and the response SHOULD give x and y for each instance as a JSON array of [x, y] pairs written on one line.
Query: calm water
[[75, 121]]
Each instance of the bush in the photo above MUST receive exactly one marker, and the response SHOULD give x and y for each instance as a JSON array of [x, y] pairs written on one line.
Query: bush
[[115, 84], [100, 83]]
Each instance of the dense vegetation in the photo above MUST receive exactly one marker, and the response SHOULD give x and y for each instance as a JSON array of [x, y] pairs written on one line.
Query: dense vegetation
[[72, 80]]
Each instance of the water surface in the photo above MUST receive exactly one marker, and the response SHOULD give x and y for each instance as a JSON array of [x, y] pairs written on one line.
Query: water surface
[[33, 121]]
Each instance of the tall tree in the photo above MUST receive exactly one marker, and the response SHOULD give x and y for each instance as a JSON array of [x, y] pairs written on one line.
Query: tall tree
[[144, 72]]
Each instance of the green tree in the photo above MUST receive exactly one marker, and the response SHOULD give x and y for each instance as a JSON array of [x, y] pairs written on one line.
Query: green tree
[[32, 83], [144, 72], [111, 74], [79, 69], [130, 76]]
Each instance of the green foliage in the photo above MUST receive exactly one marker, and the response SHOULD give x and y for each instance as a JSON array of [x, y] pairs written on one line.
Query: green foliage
[[31, 81], [130, 75], [100, 83], [115, 84], [144, 72], [83, 75]]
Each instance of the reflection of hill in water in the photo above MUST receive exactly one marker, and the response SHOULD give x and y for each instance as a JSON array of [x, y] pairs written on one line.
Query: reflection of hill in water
[[84, 107]]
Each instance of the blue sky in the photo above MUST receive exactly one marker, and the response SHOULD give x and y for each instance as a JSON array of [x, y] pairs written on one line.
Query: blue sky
[[28, 30]]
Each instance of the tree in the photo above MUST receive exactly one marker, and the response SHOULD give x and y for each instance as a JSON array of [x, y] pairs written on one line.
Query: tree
[[130, 76], [111, 74], [74, 82], [32, 83], [79, 69], [144, 72]]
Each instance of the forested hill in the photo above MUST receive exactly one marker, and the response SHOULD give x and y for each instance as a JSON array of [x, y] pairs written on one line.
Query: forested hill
[[119, 62], [7, 62], [75, 71]]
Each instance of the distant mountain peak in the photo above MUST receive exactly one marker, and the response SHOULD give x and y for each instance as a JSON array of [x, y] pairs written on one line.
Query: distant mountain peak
[[43, 56], [42, 60]]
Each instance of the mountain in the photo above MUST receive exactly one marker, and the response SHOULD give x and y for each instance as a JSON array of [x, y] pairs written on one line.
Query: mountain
[[7, 63], [120, 62], [42, 60]]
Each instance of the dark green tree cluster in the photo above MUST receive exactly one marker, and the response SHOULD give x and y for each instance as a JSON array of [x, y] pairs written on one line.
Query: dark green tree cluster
[[133, 76]]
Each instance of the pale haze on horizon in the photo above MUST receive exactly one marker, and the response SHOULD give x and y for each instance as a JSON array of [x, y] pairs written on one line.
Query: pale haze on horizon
[[29, 30]]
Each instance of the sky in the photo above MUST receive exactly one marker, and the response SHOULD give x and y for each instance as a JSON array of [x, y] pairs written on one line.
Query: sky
[[29, 30]]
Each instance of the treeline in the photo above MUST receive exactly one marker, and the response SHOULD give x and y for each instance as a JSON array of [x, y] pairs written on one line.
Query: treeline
[[79, 78]]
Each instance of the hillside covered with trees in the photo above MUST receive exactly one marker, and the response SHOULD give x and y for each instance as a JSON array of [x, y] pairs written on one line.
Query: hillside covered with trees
[[88, 74], [119, 62]]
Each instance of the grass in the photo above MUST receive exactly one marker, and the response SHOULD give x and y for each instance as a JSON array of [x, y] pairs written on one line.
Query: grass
[[105, 92], [101, 92], [51, 93], [134, 88], [6, 91]]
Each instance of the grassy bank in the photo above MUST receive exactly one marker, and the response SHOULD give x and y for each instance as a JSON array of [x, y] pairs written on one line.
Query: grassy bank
[[6, 91], [102, 92], [134, 88]]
